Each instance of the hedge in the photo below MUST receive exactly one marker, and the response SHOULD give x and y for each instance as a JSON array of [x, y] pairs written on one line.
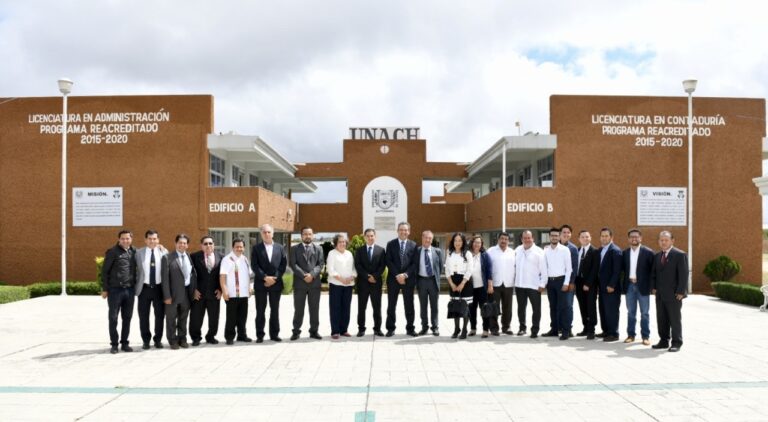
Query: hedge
[[746, 294], [10, 294], [75, 288]]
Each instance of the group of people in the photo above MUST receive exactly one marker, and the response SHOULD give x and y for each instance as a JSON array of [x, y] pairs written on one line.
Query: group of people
[[181, 288]]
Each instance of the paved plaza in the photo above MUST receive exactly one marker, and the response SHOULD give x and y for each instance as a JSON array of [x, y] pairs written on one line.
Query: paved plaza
[[55, 365]]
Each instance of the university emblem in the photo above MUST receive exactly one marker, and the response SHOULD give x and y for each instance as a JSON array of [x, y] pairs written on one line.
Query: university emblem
[[385, 199]]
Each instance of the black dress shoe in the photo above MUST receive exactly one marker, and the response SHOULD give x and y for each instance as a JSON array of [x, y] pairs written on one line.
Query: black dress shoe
[[390, 333], [126, 348], [294, 336], [509, 332], [315, 336], [463, 335], [581, 334], [174, 346], [495, 333], [184, 345], [212, 341], [591, 336], [145, 346], [259, 340], [674, 349], [195, 343], [245, 339], [455, 334], [378, 333], [412, 333], [230, 342], [564, 337], [158, 345], [534, 335], [423, 331], [435, 333], [600, 335], [113, 349], [276, 339], [550, 334], [610, 338], [521, 333], [361, 333], [660, 345]]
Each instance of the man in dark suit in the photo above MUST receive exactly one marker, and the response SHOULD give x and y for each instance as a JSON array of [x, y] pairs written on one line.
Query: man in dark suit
[[179, 284], [370, 262], [608, 277], [207, 263], [586, 284], [637, 261], [306, 263], [269, 261], [149, 278], [400, 253], [669, 282], [427, 266]]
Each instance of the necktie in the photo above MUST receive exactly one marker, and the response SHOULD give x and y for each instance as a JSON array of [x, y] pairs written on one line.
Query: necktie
[[428, 263], [237, 278], [306, 253], [370, 253], [581, 258], [664, 258], [152, 275], [402, 253], [209, 262]]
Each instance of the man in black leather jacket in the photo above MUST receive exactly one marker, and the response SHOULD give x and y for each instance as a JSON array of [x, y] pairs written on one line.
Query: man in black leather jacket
[[118, 277]]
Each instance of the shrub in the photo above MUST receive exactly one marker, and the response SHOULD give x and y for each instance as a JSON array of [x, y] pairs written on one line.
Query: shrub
[[746, 294], [99, 265], [10, 294], [287, 284], [76, 288], [721, 268], [356, 242]]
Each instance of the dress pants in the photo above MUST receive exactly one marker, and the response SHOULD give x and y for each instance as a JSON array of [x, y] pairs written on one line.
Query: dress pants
[[634, 298], [340, 301], [503, 296], [151, 298], [525, 295], [300, 298], [364, 291], [609, 311], [237, 315], [428, 291], [587, 306], [197, 313], [262, 296], [176, 315], [393, 290], [479, 298], [560, 306], [669, 318], [120, 302]]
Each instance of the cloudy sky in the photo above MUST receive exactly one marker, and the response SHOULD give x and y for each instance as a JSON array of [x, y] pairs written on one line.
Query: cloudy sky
[[299, 73]]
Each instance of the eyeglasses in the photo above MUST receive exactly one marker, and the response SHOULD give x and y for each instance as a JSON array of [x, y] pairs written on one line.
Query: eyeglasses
[[207, 243]]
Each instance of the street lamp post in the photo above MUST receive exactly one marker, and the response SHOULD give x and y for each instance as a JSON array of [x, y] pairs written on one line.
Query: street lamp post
[[65, 87], [689, 85], [504, 186]]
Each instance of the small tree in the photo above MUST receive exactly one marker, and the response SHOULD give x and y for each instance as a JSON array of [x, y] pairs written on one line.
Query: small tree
[[721, 268], [356, 242]]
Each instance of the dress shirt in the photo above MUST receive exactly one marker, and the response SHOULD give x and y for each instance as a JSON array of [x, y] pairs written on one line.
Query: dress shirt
[[210, 261], [604, 251], [634, 253], [340, 264], [228, 265], [477, 271], [558, 262], [457, 264], [531, 268], [503, 266], [147, 260], [268, 248], [423, 263]]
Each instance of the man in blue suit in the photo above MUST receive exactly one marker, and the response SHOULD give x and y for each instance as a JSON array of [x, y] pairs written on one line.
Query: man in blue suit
[[268, 260], [400, 278], [638, 262], [608, 274]]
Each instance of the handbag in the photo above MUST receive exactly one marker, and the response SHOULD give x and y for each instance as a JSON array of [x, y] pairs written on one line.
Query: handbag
[[457, 308], [489, 310]]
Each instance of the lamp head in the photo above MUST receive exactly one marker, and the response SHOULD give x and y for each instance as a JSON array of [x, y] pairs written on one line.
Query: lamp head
[[689, 85], [65, 86]]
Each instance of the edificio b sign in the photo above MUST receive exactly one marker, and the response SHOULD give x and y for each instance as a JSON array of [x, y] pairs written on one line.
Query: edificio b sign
[[383, 133]]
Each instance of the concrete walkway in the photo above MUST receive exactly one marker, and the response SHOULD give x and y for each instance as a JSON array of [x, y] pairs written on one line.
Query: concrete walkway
[[55, 365]]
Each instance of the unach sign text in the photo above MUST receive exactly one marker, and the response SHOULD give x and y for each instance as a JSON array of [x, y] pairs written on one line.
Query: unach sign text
[[383, 133]]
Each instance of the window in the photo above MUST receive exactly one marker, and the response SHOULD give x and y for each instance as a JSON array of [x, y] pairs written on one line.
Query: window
[[216, 167], [525, 177], [237, 176], [253, 180], [546, 170], [218, 241]]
